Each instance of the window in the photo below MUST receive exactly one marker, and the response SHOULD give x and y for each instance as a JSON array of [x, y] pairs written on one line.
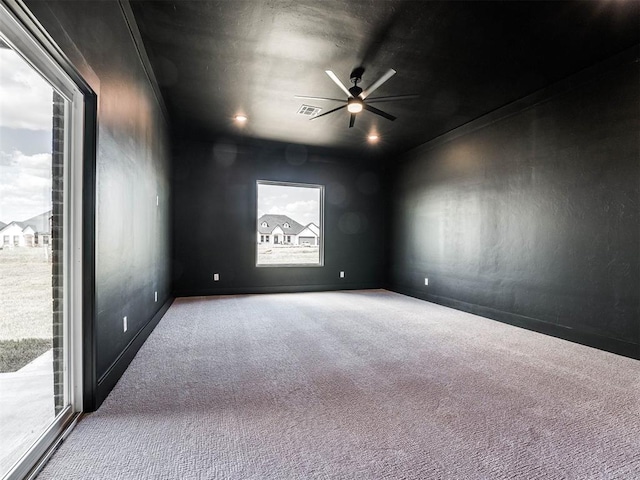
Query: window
[[293, 214], [41, 172]]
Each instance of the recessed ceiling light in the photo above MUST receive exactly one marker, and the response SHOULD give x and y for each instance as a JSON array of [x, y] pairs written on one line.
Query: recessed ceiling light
[[373, 138], [240, 118]]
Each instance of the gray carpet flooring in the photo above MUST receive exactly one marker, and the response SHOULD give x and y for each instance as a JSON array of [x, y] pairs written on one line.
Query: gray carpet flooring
[[357, 385]]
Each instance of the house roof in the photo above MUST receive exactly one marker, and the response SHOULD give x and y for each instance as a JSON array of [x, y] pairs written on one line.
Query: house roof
[[39, 223], [274, 221], [7, 225]]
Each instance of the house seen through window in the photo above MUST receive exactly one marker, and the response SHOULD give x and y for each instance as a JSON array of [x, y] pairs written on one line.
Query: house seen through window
[[289, 224]]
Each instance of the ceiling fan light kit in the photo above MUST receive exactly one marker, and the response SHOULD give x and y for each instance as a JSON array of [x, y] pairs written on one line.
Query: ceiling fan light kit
[[354, 105], [355, 102]]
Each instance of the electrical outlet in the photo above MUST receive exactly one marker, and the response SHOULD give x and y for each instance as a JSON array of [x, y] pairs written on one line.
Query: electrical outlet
[[426, 281], [124, 323], [341, 274], [216, 277], [155, 296]]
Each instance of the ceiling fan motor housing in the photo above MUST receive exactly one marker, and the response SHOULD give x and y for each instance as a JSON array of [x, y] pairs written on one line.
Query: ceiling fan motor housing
[[355, 91]]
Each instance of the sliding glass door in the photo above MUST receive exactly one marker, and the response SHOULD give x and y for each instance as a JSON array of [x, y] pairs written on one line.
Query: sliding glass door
[[39, 272]]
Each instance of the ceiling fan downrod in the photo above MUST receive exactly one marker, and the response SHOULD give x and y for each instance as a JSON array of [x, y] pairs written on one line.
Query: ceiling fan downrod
[[356, 77]]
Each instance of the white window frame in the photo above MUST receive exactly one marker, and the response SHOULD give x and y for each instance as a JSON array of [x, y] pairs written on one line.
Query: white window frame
[[22, 39], [320, 227]]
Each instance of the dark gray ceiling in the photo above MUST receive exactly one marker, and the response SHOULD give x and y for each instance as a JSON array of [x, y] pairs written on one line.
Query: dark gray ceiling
[[216, 59]]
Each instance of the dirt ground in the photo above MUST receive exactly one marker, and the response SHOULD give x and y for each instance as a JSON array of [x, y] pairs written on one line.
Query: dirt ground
[[25, 293], [287, 255]]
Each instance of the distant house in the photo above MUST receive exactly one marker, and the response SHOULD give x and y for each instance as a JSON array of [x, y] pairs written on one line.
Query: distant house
[[33, 232], [282, 230]]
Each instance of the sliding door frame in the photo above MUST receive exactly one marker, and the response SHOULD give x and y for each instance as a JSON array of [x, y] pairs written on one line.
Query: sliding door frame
[[32, 42]]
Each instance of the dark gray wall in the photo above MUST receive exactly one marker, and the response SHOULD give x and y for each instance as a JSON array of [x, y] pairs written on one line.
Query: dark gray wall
[[214, 223], [531, 215], [132, 167]]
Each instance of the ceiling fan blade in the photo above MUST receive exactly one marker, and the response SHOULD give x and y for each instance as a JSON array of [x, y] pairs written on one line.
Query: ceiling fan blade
[[368, 91], [352, 120], [337, 81], [330, 111], [320, 98], [391, 98], [379, 112]]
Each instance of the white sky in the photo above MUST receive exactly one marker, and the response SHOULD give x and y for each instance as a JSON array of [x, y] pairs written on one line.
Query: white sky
[[301, 204], [25, 120]]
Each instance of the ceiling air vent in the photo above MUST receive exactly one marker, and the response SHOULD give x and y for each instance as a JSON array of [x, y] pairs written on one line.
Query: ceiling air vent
[[309, 111]]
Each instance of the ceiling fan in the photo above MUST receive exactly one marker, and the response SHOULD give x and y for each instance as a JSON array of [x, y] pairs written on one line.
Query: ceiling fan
[[355, 102]]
